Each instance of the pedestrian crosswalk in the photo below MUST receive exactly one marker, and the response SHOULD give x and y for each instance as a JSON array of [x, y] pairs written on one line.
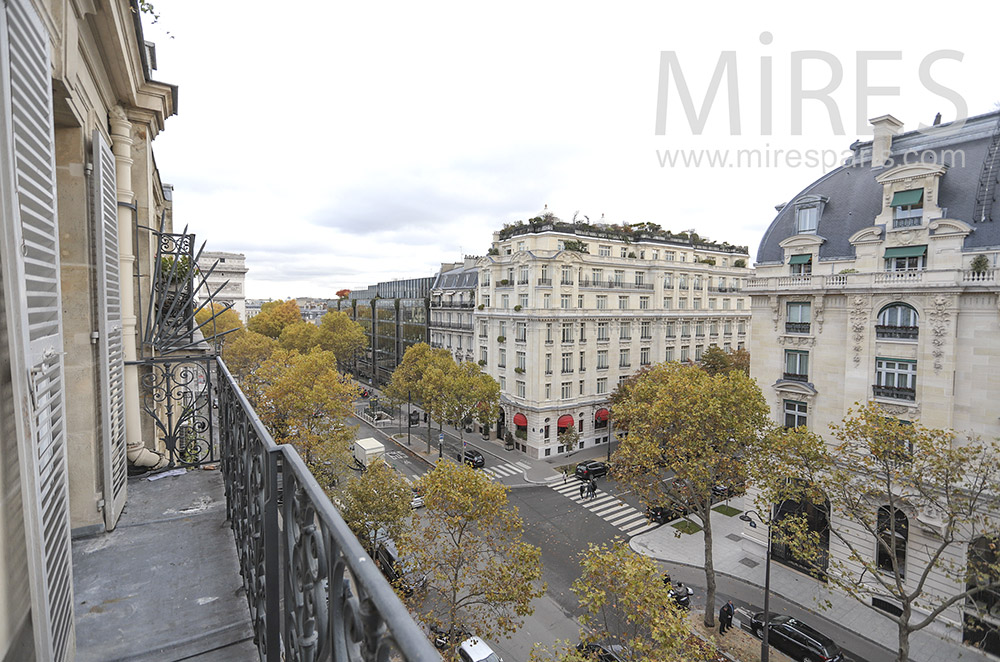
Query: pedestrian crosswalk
[[501, 471], [610, 508]]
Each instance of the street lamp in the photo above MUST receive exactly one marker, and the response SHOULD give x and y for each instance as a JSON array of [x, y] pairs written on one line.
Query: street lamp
[[764, 650], [611, 434], [409, 417]]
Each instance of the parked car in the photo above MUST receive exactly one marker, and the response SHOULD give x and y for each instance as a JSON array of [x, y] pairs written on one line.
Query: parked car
[[475, 649], [667, 513], [728, 491], [473, 457], [796, 639], [603, 652], [591, 469], [395, 569], [417, 500]]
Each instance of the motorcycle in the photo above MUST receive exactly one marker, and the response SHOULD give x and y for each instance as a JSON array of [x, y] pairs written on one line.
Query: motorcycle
[[681, 595], [445, 639]]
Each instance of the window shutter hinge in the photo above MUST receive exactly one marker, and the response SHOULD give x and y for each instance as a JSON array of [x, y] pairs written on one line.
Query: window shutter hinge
[[94, 336], [100, 504]]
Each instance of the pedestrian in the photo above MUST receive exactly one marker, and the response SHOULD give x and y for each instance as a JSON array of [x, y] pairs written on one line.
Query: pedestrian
[[583, 488], [593, 489], [726, 617], [565, 475]]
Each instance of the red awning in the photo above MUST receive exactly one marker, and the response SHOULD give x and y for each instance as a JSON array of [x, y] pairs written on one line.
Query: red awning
[[565, 421], [519, 419], [601, 415]]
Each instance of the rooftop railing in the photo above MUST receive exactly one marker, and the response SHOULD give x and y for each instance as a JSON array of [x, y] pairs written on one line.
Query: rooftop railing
[[312, 590]]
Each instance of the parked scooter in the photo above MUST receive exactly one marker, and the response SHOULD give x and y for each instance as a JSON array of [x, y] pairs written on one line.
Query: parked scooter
[[679, 593], [445, 639]]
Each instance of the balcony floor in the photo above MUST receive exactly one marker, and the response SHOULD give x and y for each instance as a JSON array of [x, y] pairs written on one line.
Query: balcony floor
[[165, 584]]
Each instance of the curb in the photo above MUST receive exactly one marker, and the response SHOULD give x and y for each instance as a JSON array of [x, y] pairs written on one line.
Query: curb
[[747, 582]]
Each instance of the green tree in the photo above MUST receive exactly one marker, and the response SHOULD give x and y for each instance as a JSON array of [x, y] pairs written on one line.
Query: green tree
[[421, 377], [704, 427], [300, 336], [339, 334], [481, 576], [715, 360], [914, 510], [624, 602], [306, 403], [219, 323], [470, 393], [244, 357], [273, 317], [376, 500]]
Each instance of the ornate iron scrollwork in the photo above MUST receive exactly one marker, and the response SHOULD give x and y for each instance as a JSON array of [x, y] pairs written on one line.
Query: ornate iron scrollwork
[[177, 395]]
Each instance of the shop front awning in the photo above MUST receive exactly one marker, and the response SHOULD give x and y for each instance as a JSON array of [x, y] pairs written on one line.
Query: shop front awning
[[800, 259], [601, 415], [905, 198], [565, 421], [906, 251], [520, 419]]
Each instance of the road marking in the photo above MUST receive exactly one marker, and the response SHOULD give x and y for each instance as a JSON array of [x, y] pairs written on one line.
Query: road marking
[[631, 516], [610, 512], [523, 465], [608, 507], [648, 527], [633, 525]]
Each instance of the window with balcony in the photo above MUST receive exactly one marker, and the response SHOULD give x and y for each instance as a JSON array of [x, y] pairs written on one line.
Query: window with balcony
[[686, 330], [796, 365], [483, 332], [522, 276], [602, 385], [567, 332], [893, 534], [645, 329], [668, 281], [682, 282], [623, 303], [644, 356], [670, 330], [806, 220], [699, 329], [602, 331], [522, 362], [484, 355], [567, 362], [696, 283], [624, 358], [520, 331], [713, 329], [625, 331], [727, 328], [895, 379], [795, 413], [583, 331], [897, 321], [907, 208], [685, 354], [906, 258], [566, 275], [583, 361], [668, 355], [548, 364], [548, 332], [798, 317], [800, 265], [698, 351], [502, 362], [602, 301], [602, 359], [548, 391]]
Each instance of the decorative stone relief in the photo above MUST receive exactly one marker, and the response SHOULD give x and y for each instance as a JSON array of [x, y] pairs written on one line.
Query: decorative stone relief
[[819, 314], [796, 341], [859, 324], [907, 412], [775, 310], [940, 320]]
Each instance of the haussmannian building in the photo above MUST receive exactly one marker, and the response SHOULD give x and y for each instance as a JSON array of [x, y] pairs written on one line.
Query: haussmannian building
[[879, 283], [566, 311], [453, 301], [226, 282]]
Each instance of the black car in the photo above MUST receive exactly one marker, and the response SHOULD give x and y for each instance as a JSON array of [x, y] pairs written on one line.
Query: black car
[[603, 653], [474, 458], [591, 469], [796, 639], [667, 513], [396, 570]]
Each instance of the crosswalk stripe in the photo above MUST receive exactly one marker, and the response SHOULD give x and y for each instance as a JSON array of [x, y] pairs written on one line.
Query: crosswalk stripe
[[648, 527], [503, 470], [566, 488], [610, 512], [630, 516], [523, 465], [605, 504], [597, 501], [631, 525]]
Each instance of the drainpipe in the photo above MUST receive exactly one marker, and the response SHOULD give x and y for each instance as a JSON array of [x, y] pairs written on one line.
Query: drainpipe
[[121, 146]]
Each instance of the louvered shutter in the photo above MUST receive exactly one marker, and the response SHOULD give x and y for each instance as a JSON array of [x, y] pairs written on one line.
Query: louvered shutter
[[111, 354], [30, 263]]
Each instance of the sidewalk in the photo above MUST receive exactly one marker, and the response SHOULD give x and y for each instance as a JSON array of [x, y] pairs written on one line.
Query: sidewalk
[[733, 561]]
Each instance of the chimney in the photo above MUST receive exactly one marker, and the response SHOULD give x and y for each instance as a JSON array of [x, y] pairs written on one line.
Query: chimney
[[884, 128]]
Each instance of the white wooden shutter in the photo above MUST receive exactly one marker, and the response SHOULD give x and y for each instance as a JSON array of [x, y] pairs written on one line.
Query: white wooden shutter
[[29, 249], [111, 355]]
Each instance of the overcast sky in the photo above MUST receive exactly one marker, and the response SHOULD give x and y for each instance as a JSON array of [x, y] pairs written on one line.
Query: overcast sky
[[338, 144]]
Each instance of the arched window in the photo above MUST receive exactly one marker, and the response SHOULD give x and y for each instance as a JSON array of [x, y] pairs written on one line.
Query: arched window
[[893, 532], [897, 321]]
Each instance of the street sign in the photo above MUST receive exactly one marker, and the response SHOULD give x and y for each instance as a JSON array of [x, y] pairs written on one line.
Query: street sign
[[465, 444], [441, 437]]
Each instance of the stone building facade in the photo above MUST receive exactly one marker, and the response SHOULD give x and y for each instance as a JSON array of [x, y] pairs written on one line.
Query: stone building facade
[[880, 283], [565, 312], [227, 281], [453, 302]]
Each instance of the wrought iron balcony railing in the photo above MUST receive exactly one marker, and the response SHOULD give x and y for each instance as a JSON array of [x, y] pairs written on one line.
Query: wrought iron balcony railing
[[313, 592], [894, 392], [897, 332], [796, 377], [797, 327]]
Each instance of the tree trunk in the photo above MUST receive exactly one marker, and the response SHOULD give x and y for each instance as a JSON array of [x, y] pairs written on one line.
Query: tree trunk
[[904, 635], [709, 566], [428, 434]]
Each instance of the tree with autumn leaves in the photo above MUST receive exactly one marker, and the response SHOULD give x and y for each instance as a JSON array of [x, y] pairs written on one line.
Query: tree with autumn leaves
[[705, 427], [914, 511], [481, 576]]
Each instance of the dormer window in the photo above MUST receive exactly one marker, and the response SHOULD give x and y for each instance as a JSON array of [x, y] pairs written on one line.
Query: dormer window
[[806, 220], [801, 265], [907, 208]]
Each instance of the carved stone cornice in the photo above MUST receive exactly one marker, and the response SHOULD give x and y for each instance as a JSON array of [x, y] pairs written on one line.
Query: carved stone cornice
[[796, 341]]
